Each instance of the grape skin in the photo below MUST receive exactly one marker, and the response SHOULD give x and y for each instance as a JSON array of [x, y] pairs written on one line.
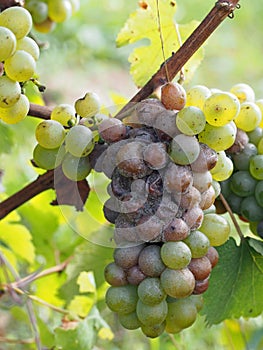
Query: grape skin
[[17, 19], [7, 43], [21, 66], [17, 112], [79, 141], [30, 46], [50, 134], [10, 92]]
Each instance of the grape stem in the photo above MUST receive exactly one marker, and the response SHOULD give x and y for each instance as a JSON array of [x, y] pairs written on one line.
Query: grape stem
[[232, 216], [174, 64]]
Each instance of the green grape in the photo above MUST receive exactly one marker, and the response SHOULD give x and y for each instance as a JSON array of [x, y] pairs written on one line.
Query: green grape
[[38, 10], [30, 46], [216, 228], [198, 243], [221, 108], [255, 135], [224, 167], [7, 43], [244, 92], [16, 112], [17, 19], [130, 321], [190, 120], [88, 106], [150, 315], [115, 275], [178, 283], [75, 168], [46, 26], [64, 114], [153, 331], [260, 146], [48, 158], [256, 166], [59, 10], [122, 299], [259, 103], [241, 160], [50, 134], [150, 291], [150, 261], [218, 138], [242, 183], [234, 201], [249, 116], [175, 255], [184, 149], [79, 141], [21, 66], [10, 92], [181, 314], [250, 209], [197, 95], [198, 300], [259, 193]]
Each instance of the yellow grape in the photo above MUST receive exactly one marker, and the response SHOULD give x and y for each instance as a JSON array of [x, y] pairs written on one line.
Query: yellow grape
[[221, 108], [7, 43], [219, 138], [59, 10], [88, 105], [259, 103], [46, 26], [197, 95], [21, 66], [17, 112], [244, 92], [224, 167], [10, 92], [249, 116], [64, 114], [30, 46], [17, 19], [50, 134]]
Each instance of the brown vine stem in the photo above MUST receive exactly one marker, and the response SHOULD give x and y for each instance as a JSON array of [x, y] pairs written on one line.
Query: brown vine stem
[[174, 64], [232, 216], [34, 276]]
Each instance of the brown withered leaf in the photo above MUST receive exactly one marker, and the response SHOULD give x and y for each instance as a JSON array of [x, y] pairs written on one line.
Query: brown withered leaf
[[70, 192]]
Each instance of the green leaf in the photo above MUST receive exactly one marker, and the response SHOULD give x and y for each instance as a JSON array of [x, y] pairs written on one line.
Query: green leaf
[[81, 305], [87, 257], [82, 337], [236, 284], [6, 138], [143, 24]]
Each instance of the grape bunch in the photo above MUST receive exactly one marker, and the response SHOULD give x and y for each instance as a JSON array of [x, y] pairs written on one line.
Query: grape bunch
[[159, 160], [244, 189], [66, 139], [47, 13], [18, 54]]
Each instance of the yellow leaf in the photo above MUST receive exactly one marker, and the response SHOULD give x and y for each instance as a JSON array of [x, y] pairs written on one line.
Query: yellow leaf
[[144, 24], [18, 239], [105, 333], [86, 282], [81, 305]]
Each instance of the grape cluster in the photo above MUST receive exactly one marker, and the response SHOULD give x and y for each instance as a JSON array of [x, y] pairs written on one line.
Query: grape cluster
[[47, 13], [66, 139], [244, 189], [161, 203], [18, 54]]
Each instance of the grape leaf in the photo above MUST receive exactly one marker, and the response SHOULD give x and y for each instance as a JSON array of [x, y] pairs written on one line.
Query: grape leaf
[[143, 24], [236, 284], [6, 138]]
